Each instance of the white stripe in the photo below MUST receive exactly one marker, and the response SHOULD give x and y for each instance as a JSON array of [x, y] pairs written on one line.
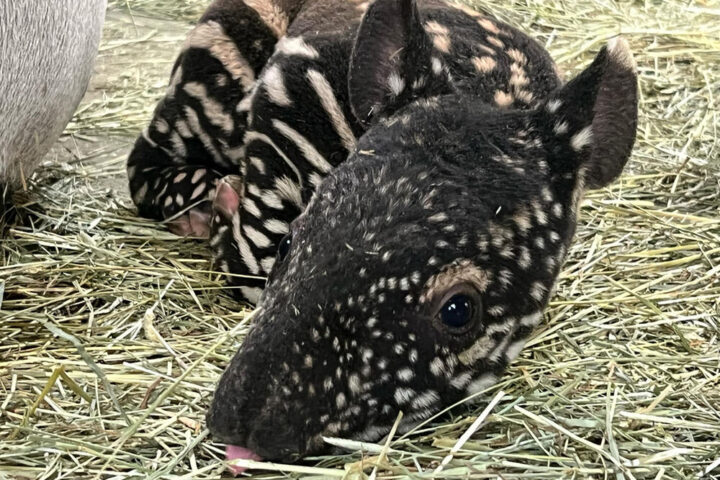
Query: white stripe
[[330, 104], [196, 128], [258, 164], [252, 135], [307, 149], [274, 84], [215, 241], [251, 208], [276, 226], [258, 238], [213, 110], [267, 264], [289, 190], [212, 37], [251, 293], [295, 46], [245, 252]]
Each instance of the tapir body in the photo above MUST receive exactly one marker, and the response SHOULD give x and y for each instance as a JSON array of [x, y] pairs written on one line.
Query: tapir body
[[395, 185], [47, 51]]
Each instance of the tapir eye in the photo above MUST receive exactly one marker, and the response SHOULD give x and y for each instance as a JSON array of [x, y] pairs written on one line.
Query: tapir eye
[[460, 309], [284, 247]]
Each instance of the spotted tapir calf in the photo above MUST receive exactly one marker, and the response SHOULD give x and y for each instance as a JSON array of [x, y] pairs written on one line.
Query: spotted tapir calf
[[409, 181]]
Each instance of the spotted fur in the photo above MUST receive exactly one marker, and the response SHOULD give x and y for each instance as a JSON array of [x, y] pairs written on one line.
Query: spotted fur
[[408, 156]]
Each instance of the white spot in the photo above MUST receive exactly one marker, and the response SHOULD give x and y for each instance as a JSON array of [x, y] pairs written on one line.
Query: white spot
[[461, 380], [437, 366], [537, 291], [531, 320], [553, 105], [405, 374], [496, 311], [524, 259], [396, 84], [199, 173], [436, 65], [197, 191], [481, 383], [581, 139], [514, 350], [557, 210], [354, 383], [561, 128], [438, 217], [425, 400], [403, 395]]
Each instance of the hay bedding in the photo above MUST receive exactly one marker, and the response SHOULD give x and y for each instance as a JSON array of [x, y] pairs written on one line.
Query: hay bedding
[[113, 331]]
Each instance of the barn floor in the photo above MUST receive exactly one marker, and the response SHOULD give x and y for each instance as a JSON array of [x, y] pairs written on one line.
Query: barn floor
[[113, 331]]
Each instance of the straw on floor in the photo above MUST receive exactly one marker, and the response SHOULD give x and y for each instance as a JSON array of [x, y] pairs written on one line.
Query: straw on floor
[[113, 331]]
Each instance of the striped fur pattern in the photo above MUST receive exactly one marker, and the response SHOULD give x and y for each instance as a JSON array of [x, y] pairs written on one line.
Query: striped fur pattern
[[388, 163]]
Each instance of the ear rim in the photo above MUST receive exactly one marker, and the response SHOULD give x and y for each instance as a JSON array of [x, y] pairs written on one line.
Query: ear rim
[[379, 14]]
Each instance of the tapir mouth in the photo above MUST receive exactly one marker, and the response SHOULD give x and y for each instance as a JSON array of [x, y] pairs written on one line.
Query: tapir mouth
[[233, 452]]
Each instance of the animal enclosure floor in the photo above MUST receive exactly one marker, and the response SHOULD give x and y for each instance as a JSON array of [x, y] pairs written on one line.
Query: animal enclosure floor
[[113, 331]]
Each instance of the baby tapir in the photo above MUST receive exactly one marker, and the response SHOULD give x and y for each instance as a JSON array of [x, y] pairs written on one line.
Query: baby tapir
[[47, 51], [406, 277]]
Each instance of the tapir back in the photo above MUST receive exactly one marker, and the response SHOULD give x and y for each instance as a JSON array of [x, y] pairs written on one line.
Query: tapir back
[[47, 51]]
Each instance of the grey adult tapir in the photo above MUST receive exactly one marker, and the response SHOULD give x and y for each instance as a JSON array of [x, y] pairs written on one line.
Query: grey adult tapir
[[47, 52]]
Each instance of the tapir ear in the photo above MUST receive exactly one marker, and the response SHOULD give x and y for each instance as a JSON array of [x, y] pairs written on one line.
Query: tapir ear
[[597, 114], [391, 62], [228, 197]]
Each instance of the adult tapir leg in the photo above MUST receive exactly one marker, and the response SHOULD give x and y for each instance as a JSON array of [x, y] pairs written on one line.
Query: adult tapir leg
[[195, 136]]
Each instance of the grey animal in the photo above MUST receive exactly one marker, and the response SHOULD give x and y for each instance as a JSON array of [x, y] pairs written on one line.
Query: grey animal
[[47, 51], [409, 182]]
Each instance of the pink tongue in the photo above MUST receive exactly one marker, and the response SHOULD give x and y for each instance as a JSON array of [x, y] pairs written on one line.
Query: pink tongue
[[239, 453]]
